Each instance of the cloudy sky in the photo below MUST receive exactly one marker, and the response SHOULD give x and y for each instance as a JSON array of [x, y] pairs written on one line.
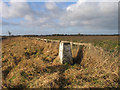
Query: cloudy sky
[[59, 17]]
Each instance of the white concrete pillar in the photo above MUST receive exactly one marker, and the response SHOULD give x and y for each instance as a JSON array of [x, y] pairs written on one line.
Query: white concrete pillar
[[65, 53]]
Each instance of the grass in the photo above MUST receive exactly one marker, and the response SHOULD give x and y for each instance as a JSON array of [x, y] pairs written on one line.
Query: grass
[[12, 78], [108, 43], [43, 69], [23, 74]]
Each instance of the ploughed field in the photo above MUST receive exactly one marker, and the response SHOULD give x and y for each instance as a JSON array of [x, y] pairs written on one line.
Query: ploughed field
[[31, 63]]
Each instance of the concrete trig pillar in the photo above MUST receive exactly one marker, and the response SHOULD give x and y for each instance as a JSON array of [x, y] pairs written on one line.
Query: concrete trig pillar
[[65, 53], [71, 43]]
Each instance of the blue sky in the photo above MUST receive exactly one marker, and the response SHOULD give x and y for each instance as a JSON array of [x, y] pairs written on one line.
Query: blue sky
[[59, 18]]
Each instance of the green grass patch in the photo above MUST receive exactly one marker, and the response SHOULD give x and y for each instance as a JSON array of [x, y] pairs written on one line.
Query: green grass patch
[[10, 80], [107, 45]]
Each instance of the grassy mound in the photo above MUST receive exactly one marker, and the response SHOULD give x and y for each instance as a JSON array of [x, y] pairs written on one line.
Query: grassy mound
[[30, 63]]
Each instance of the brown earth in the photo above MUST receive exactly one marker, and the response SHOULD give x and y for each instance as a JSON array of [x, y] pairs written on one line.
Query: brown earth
[[30, 63]]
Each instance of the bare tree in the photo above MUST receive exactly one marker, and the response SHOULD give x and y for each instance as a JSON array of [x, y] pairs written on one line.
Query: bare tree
[[9, 33], [79, 34]]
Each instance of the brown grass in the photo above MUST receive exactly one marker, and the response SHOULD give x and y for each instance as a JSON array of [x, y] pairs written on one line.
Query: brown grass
[[30, 63]]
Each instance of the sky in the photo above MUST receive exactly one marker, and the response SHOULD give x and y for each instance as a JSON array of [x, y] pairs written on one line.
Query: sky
[[43, 18]]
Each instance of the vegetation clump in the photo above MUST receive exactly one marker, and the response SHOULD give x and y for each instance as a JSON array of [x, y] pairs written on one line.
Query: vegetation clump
[[31, 63]]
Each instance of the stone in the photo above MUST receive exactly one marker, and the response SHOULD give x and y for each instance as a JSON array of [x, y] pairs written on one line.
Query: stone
[[65, 53]]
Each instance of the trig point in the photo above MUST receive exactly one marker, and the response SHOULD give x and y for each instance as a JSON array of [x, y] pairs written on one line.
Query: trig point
[[65, 53]]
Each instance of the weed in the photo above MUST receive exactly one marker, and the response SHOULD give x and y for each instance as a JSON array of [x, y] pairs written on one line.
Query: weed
[[95, 80], [27, 54], [66, 64], [23, 74], [86, 69], [23, 80], [5, 61], [5, 72], [12, 78], [2, 56]]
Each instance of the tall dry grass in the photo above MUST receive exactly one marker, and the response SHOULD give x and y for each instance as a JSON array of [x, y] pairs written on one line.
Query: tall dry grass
[[30, 63]]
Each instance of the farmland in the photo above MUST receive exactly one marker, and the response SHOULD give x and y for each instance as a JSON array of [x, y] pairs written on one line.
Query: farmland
[[31, 63], [108, 43]]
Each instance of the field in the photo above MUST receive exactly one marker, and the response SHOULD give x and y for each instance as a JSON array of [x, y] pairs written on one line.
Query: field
[[108, 43], [31, 63]]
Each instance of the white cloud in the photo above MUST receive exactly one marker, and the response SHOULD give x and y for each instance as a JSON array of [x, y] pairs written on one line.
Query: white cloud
[[82, 14], [91, 15], [53, 10], [108, 8], [29, 17], [18, 1], [51, 6], [15, 9]]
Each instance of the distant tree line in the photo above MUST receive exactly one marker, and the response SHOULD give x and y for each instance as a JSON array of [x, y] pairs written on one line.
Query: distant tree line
[[82, 35], [60, 35]]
